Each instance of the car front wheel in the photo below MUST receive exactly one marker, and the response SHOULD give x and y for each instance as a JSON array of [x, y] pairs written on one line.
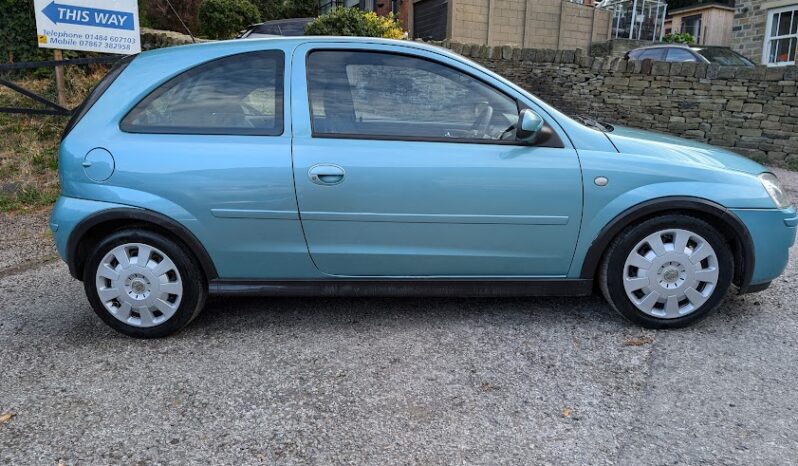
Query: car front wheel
[[668, 271], [143, 284]]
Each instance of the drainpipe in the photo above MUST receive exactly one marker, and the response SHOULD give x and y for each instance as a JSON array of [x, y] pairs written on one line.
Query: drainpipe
[[559, 26], [490, 9]]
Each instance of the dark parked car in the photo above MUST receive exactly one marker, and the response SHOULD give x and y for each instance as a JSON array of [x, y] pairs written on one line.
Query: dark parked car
[[722, 56], [280, 27]]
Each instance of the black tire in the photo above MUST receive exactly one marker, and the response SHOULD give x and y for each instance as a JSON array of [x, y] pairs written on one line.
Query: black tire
[[195, 289], [611, 270]]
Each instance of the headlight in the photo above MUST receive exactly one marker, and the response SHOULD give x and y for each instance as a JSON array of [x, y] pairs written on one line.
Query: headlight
[[774, 189]]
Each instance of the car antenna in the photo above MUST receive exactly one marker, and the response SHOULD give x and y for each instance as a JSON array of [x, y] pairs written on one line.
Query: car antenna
[[193, 41]]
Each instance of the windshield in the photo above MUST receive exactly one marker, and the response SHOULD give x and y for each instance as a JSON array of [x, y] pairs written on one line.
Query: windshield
[[723, 56], [294, 28]]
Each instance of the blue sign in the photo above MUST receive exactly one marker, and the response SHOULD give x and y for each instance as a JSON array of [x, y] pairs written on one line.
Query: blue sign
[[85, 16]]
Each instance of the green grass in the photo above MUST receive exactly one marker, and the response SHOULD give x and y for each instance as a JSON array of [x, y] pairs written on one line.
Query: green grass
[[27, 197], [29, 143]]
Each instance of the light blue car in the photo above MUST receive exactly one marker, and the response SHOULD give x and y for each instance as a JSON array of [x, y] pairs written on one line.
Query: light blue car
[[355, 166]]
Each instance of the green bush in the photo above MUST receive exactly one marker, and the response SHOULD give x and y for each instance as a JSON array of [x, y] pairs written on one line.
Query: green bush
[[283, 9], [354, 22], [222, 19], [679, 38], [18, 33], [158, 14]]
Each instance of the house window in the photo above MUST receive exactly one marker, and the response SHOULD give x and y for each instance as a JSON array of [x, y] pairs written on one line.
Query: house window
[[781, 36], [692, 25]]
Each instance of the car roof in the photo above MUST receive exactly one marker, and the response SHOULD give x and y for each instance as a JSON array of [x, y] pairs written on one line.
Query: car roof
[[232, 46], [281, 21], [681, 46]]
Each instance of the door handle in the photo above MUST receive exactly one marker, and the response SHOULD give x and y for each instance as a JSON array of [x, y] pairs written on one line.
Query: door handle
[[326, 174]]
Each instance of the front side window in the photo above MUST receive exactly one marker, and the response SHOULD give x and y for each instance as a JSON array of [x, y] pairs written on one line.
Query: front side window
[[652, 54], [293, 28], [386, 95], [237, 95], [781, 37], [267, 30]]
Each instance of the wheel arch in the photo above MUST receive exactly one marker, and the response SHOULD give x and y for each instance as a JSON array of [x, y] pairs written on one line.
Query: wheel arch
[[95, 226], [727, 223]]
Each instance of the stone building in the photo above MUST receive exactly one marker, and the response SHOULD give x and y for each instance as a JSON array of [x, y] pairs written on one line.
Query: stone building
[[766, 31], [551, 24]]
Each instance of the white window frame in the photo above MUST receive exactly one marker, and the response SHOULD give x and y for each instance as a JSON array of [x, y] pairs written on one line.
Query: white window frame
[[769, 40]]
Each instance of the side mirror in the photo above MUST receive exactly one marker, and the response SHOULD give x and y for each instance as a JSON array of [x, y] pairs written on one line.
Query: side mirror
[[529, 125]]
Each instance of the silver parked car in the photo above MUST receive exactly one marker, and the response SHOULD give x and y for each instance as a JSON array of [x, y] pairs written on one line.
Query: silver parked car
[[722, 56]]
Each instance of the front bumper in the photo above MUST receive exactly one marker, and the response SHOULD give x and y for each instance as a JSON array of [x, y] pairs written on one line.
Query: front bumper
[[773, 234]]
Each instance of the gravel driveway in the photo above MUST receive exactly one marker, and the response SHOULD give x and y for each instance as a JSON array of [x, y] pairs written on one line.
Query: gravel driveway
[[384, 381]]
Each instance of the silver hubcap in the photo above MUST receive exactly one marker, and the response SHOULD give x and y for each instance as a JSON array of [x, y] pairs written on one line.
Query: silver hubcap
[[670, 273], [139, 285]]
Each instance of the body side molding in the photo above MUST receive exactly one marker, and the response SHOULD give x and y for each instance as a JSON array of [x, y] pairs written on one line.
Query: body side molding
[[452, 288]]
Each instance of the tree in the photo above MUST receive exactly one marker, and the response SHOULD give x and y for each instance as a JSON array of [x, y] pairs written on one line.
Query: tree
[[282, 9], [222, 19], [158, 14], [18, 32]]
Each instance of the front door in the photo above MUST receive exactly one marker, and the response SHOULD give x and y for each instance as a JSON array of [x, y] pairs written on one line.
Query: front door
[[408, 166]]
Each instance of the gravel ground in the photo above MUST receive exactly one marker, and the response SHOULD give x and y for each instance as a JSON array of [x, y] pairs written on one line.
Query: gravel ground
[[390, 381], [26, 241]]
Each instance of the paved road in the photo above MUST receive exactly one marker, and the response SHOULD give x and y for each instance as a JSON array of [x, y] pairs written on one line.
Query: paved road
[[382, 381]]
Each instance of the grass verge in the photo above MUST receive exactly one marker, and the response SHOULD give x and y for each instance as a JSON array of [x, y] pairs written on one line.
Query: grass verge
[[29, 143]]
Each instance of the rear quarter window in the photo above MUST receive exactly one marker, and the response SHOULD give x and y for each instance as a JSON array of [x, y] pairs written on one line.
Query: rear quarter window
[[652, 54], [235, 95], [96, 93]]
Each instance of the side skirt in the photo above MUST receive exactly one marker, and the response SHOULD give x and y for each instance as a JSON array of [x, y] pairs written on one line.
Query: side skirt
[[403, 288]]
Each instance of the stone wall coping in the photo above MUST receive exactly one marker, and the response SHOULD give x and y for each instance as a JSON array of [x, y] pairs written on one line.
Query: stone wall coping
[[648, 67]]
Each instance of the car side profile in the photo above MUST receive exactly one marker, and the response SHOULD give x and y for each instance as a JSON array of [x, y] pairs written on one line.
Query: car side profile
[[706, 54], [369, 167]]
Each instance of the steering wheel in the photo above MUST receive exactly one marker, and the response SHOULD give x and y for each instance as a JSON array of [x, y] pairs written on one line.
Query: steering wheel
[[482, 122]]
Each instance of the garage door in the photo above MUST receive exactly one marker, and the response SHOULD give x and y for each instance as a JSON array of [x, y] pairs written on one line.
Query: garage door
[[429, 20]]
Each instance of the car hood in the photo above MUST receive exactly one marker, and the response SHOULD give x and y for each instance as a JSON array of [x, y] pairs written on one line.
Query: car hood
[[680, 151]]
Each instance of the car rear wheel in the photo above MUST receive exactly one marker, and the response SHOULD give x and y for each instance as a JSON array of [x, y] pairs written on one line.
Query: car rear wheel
[[143, 284], [668, 271]]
